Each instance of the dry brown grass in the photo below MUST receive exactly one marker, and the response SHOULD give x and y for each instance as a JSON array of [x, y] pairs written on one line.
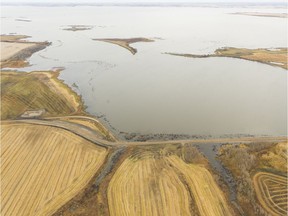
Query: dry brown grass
[[275, 57], [22, 91], [43, 168], [245, 160], [272, 192], [275, 157], [149, 185]]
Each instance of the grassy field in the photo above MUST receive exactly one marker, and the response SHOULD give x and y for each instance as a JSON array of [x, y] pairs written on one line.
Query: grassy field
[[272, 192], [22, 91], [275, 57], [43, 168], [148, 184]]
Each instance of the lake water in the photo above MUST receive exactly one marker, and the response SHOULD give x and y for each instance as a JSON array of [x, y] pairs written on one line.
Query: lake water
[[151, 92]]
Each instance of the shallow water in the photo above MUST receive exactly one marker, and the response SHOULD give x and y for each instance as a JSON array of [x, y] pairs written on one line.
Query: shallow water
[[151, 92]]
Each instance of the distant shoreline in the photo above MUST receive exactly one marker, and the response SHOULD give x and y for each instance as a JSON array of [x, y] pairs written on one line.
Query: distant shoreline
[[146, 4]]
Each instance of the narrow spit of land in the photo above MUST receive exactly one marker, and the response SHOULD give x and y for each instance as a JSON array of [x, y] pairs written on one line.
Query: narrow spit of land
[[125, 43], [14, 50], [275, 57], [278, 15]]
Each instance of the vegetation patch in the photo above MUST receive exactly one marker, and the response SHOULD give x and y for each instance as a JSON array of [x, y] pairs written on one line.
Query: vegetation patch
[[22, 91], [246, 160], [275, 57]]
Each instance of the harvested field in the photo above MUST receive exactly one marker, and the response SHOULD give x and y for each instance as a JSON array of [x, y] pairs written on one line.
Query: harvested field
[[10, 49], [36, 90], [14, 50], [275, 57], [150, 185], [125, 43], [272, 192], [43, 168], [12, 38]]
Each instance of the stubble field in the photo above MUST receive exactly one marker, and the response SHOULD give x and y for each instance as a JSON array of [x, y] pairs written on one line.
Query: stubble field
[[151, 185], [43, 168]]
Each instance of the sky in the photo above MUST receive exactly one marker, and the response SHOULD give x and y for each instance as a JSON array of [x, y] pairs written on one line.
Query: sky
[[137, 1]]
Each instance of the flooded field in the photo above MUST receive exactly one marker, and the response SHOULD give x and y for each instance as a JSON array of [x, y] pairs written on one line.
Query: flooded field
[[150, 92]]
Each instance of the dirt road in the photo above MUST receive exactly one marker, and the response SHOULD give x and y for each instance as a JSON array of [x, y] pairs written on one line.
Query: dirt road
[[93, 136]]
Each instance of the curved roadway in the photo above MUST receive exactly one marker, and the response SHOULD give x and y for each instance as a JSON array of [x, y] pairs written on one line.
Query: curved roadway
[[93, 136]]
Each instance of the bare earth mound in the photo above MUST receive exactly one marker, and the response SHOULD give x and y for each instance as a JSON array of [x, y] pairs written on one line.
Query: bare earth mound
[[272, 192], [43, 168]]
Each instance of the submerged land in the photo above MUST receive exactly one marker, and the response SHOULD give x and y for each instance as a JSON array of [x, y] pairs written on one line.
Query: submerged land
[[275, 57], [65, 162], [125, 43]]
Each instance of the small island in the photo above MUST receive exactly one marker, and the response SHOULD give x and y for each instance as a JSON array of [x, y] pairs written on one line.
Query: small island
[[78, 28], [275, 57], [125, 43]]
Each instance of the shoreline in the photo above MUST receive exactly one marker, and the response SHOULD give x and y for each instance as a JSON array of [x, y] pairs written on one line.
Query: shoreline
[[277, 15], [45, 92], [89, 134], [276, 57], [19, 50]]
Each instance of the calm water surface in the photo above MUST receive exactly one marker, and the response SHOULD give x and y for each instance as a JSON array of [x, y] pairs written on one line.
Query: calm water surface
[[151, 92]]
